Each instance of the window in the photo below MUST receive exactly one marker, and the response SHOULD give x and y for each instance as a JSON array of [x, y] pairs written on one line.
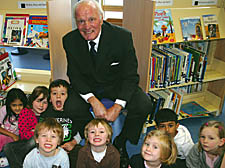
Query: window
[[112, 9]]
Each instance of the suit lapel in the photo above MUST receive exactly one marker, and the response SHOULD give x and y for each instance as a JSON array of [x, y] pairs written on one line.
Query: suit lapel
[[104, 47]]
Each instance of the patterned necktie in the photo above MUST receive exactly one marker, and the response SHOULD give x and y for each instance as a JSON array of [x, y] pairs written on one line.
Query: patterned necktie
[[93, 51]]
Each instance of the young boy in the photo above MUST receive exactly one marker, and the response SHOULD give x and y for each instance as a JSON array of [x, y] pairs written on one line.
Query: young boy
[[48, 136], [59, 91], [98, 150], [166, 119]]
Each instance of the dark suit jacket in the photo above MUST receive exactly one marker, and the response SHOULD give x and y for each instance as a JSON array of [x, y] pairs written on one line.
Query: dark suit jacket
[[116, 69]]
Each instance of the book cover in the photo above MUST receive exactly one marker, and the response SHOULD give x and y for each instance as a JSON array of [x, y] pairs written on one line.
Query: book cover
[[7, 72], [37, 34], [176, 100], [193, 109], [14, 31], [211, 26], [24, 18], [163, 30], [191, 28]]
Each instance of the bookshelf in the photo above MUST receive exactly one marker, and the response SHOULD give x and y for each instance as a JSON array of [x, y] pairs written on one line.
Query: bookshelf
[[28, 79], [140, 23]]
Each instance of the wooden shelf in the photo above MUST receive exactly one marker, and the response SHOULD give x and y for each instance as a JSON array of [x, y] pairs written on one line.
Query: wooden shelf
[[206, 99], [28, 79], [177, 13], [9, 45]]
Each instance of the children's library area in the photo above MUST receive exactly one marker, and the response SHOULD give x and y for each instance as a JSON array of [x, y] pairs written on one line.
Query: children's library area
[[180, 47], [181, 56]]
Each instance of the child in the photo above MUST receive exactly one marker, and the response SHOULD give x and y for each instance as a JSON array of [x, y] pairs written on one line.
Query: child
[[209, 151], [158, 151], [59, 91], [16, 100], [98, 151], [28, 118], [48, 136], [166, 120]]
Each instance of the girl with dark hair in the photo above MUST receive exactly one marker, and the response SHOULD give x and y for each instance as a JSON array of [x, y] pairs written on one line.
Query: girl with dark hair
[[16, 100]]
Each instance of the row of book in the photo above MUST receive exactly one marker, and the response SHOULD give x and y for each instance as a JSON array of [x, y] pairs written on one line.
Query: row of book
[[172, 66], [163, 31], [172, 99], [24, 30]]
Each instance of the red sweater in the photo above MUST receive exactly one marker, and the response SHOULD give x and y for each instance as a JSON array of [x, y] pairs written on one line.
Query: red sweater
[[27, 122]]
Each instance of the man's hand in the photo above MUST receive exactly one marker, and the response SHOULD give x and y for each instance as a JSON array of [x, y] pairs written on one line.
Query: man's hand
[[69, 145], [113, 112], [98, 108]]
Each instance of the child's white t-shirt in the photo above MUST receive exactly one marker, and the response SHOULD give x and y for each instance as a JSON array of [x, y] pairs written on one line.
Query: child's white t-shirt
[[35, 160], [183, 141]]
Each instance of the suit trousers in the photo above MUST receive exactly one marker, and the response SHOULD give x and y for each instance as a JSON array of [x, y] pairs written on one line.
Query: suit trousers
[[138, 109]]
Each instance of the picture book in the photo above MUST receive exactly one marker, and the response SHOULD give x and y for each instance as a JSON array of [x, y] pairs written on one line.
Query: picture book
[[191, 28], [211, 26], [12, 21], [7, 73], [37, 34], [163, 31], [176, 100], [193, 109], [14, 31]]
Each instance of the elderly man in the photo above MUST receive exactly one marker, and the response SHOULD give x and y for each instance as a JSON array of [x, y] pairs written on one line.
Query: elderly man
[[102, 64]]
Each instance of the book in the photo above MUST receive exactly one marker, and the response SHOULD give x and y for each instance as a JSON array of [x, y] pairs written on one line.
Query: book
[[7, 72], [191, 28], [176, 100], [157, 102], [211, 26], [11, 32], [1, 27], [163, 30], [37, 33], [14, 31], [193, 109], [199, 59]]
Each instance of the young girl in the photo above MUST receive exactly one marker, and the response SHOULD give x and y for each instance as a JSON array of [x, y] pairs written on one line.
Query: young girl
[[28, 118], [98, 151], [158, 151], [16, 100], [209, 151]]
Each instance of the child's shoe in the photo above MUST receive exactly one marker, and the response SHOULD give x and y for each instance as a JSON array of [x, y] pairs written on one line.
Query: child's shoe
[[4, 162]]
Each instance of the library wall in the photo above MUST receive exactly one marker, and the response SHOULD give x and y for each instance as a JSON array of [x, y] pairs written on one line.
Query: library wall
[[8, 6]]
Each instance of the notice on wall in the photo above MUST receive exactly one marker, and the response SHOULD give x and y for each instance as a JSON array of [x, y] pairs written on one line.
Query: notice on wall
[[31, 4], [164, 2], [203, 2]]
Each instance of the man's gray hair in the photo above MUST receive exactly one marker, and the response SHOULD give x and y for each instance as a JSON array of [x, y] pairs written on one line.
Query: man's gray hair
[[96, 4]]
